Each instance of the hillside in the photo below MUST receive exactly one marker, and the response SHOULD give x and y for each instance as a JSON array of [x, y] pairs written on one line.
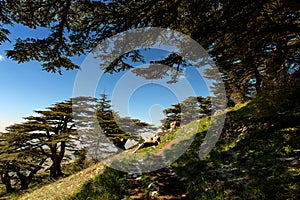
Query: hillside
[[65, 187], [154, 63], [256, 157]]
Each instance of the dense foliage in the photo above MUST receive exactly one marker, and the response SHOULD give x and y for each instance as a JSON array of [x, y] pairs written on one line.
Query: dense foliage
[[190, 109], [255, 43], [61, 130], [27, 145], [256, 46], [256, 157]]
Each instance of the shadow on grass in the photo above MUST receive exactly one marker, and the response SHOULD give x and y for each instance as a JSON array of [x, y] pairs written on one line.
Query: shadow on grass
[[256, 157], [109, 185]]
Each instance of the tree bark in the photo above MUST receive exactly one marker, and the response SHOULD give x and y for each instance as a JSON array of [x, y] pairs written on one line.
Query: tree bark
[[55, 169], [24, 180], [5, 178], [258, 81]]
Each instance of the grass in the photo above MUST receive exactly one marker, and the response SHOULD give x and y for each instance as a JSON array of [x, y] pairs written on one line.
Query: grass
[[100, 182], [152, 158], [95, 182], [109, 185], [65, 187], [256, 157]]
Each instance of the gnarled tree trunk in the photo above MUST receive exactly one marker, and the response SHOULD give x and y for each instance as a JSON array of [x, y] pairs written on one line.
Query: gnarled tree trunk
[[6, 180]]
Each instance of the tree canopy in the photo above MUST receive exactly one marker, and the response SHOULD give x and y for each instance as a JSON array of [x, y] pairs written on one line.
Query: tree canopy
[[255, 43], [56, 132], [26, 146], [190, 109], [50, 133]]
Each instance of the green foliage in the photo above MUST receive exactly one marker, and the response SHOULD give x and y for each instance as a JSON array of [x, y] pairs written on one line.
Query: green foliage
[[109, 185], [255, 44], [108, 124], [256, 156], [20, 159], [190, 109], [54, 129], [107, 128], [112, 129], [4, 18], [26, 146], [80, 160]]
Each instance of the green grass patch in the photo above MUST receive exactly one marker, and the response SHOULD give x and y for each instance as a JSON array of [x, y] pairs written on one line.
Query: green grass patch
[[255, 157], [109, 185]]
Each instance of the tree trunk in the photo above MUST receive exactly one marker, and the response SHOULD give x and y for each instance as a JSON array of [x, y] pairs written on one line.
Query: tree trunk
[[96, 156], [8, 187], [55, 170], [120, 143], [24, 180], [258, 81], [5, 178], [237, 95]]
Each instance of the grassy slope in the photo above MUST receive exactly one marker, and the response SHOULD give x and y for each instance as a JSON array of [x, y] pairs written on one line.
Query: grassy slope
[[99, 182], [65, 187], [256, 157]]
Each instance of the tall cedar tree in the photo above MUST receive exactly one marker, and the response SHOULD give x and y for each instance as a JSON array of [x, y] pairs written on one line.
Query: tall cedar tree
[[20, 157], [51, 132], [117, 129], [190, 109], [107, 121]]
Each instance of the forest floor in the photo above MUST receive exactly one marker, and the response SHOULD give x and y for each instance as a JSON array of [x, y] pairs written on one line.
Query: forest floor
[[161, 184]]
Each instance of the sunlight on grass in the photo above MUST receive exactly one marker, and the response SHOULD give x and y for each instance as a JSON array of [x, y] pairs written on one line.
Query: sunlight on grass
[[64, 188]]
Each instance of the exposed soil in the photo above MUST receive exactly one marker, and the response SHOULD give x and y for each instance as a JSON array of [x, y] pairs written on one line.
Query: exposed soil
[[161, 184]]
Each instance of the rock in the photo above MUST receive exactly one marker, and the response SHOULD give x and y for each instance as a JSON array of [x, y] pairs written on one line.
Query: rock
[[173, 126], [135, 175], [229, 191], [154, 194], [295, 163], [173, 174], [154, 141]]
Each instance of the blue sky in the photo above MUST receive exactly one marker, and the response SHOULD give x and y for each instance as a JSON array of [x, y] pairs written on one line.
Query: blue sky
[[26, 87]]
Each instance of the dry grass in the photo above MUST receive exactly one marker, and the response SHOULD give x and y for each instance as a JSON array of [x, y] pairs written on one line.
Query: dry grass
[[66, 187]]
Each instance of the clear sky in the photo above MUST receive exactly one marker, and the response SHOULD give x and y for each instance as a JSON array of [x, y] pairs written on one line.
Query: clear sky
[[26, 87]]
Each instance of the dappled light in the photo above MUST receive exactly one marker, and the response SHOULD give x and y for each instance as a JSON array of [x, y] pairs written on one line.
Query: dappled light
[[149, 99]]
